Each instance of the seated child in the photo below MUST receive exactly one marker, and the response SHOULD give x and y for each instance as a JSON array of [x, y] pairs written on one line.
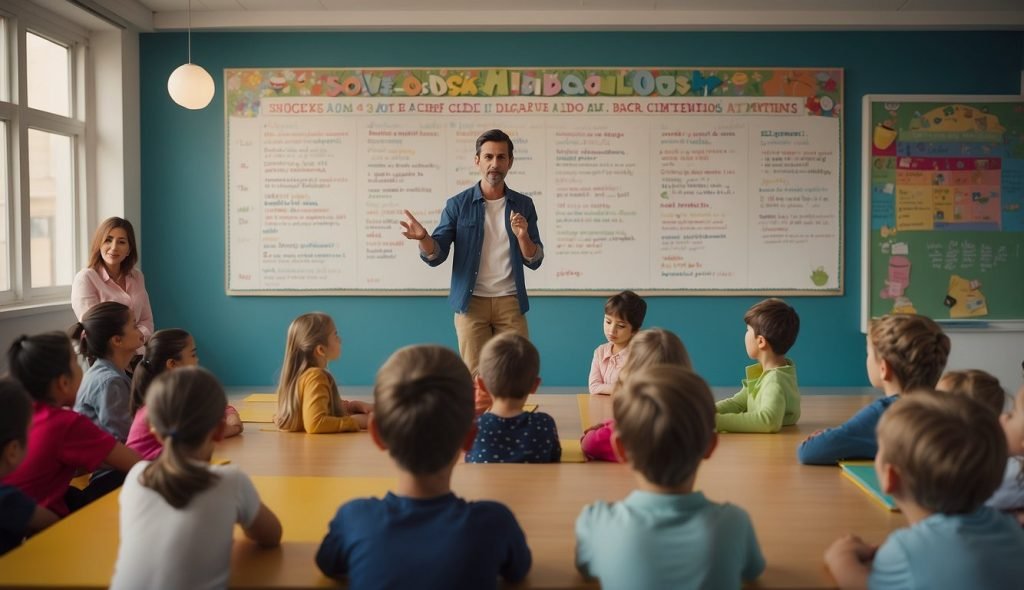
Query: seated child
[[649, 347], [985, 388], [664, 534], [940, 457], [108, 338], [623, 315], [508, 371], [976, 384], [905, 352], [61, 443], [423, 417], [1010, 495], [165, 350], [20, 516], [178, 513], [770, 398], [307, 395]]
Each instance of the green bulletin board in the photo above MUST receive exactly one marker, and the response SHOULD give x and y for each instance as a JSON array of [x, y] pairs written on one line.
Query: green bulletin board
[[944, 207]]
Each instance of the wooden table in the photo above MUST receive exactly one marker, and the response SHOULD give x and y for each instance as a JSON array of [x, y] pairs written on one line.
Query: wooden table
[[797, 510]]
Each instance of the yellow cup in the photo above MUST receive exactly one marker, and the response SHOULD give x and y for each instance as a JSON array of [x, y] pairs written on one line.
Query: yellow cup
[[884, 136]]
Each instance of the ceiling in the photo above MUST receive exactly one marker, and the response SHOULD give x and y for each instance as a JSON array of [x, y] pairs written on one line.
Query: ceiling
[[537, 15]]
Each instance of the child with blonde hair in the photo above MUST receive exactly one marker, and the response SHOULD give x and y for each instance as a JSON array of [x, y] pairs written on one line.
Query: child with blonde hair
[[509, 371], [108, 337], [423, 418], [664, 534], [307, 395], [770, 397], [940, 456], [1010, 494], [905, 352], [61, 443], [649, 347], [623, 316], [178, 512], [976, 384], [166, 350], [985, 389], [20, 516]]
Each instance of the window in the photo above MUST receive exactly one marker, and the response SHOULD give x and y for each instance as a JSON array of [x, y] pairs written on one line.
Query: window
[[42, 131]]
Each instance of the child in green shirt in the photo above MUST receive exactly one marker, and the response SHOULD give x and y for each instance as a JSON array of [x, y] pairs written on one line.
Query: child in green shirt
[[770, 398]]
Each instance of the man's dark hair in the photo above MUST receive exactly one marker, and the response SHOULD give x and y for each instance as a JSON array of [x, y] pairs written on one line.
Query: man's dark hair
[[494, 135]]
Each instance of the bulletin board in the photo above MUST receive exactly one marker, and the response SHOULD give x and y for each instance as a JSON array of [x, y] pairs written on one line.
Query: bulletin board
[[683, 180], [944, 208]]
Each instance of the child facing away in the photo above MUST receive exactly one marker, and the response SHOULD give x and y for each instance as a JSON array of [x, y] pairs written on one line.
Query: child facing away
[[905, 352], [108, 337], [178, 512], [649, 347], [508, 371], [60, 442], [623, 316], [307, 395], [664, 534], [20, 516], [1010, 495], [423, 418], [940, 456], [985, 388], [769, 398], [166, 350]]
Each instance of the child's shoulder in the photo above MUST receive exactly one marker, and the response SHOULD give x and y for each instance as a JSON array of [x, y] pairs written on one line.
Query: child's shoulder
[[541, 418], [314, 375]]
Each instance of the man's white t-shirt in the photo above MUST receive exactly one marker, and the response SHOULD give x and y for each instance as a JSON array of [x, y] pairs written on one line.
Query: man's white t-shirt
[[163, 547], [494, 278]]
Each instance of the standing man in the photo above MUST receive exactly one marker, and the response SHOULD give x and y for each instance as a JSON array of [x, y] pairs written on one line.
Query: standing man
[[495, 233]]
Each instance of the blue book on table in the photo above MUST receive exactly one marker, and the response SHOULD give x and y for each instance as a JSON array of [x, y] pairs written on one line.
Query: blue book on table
[[863, 474]]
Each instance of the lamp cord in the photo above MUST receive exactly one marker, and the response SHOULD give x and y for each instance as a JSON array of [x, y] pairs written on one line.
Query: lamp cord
[[189, 31]]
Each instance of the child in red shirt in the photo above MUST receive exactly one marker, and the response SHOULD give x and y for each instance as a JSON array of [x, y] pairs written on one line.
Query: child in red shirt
[[61, 443]]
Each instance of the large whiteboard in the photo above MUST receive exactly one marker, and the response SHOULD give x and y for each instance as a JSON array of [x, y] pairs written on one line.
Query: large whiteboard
[[665, 181]]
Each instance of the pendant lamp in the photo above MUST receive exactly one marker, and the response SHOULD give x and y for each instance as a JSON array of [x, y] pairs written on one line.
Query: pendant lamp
[[190, 85]]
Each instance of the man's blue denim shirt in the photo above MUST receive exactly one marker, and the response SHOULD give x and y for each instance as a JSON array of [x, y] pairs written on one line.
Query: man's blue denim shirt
[[462, 222]]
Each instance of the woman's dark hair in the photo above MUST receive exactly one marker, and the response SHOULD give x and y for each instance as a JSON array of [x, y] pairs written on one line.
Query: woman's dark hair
[[163, 345], [37, 360], [102, 322]]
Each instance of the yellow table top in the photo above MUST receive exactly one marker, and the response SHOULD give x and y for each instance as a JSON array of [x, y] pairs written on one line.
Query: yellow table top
[[797, 510]]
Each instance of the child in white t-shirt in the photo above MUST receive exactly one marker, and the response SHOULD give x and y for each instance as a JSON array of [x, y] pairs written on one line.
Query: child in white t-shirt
[[178, 512]]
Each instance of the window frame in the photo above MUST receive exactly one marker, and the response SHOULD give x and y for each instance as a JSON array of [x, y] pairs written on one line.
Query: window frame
[[20, 118]]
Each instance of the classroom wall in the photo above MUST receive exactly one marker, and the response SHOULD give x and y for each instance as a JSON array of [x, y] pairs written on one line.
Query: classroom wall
[[242, 338]]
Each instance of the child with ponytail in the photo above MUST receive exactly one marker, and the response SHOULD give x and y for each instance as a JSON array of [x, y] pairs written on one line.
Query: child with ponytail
[[307, 395], [60, 442], [165, 350], [107, 337], [179, 507]]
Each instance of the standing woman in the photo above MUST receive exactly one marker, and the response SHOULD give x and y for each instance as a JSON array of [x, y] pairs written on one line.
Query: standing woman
[[111, 275]]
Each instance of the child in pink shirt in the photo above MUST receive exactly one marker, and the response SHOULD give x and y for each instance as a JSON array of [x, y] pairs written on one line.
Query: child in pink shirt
[[165, 350], [649, 347], [623, 315]]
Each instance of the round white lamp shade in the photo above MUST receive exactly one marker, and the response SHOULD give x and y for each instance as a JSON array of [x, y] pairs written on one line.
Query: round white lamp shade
[[190, 86]]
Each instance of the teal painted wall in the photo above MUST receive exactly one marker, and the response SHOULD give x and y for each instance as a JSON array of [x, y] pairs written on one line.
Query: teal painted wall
[[242, 338]]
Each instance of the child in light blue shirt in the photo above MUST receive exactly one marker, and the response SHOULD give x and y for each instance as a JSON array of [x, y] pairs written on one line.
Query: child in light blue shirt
[[664, 534], [940, 456]]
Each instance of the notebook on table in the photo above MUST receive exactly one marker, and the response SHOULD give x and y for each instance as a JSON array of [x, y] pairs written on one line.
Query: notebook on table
[[863, 474]]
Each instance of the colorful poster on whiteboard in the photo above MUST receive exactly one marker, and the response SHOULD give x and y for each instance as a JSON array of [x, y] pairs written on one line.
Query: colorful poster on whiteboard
[[944, 182], [661, 180]]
